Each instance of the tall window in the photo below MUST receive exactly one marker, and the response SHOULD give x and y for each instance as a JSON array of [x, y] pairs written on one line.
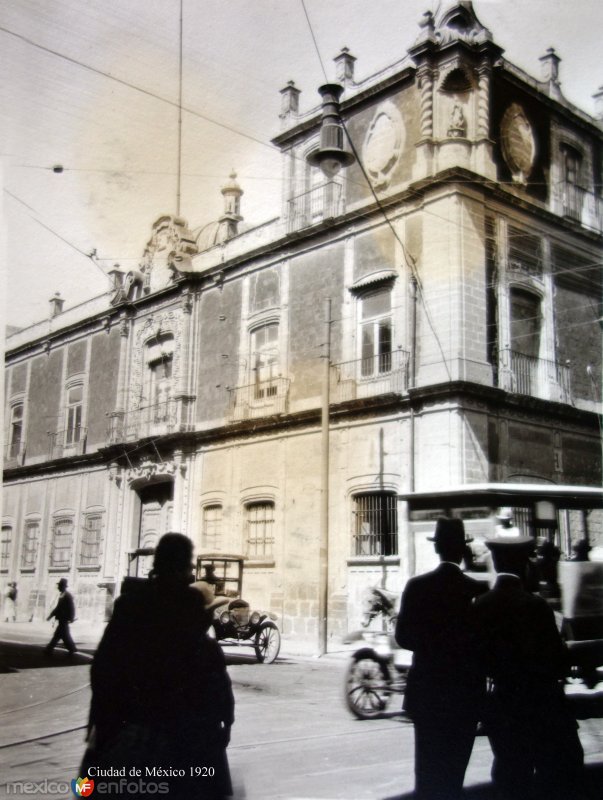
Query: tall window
[[73, 431], [6, 541], [525, 323], [260, 529], [61, 546], [376, 332], [264, 357], [571, 166], [375, 528], [31, 541], [160, 358], [16, 430], [211, 536], [90, 547]]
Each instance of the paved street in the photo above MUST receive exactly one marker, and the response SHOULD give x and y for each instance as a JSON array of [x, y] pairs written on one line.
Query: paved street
[[293, 737]]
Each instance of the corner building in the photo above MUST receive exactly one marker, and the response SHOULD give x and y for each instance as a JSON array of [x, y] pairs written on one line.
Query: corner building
[[464, 347]]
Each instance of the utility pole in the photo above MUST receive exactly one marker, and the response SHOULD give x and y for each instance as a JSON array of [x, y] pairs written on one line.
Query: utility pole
[[323, 582]]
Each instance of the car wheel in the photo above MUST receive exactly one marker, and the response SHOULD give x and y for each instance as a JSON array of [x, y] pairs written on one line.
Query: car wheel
[[367, 687], [267, 643]]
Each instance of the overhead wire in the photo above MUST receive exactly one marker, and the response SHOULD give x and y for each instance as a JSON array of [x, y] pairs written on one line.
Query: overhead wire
[[409, 259], [89, 256]]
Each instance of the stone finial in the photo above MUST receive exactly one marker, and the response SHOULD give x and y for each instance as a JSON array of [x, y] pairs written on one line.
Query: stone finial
[[116, 277], [344, 66], [290, 100], [56, 305], [598, 98], [550, 66]]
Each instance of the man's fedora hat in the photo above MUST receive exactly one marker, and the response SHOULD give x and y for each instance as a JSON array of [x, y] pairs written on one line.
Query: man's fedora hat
[[449, 529], [62, 584], [210, 600]]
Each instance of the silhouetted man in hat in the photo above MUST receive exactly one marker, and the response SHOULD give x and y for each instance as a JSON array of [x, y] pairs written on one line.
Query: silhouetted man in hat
[[537, 752], [64, 613], [444, 687]]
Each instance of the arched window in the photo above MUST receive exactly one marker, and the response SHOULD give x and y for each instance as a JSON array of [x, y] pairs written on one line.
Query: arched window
[[15, 441], [376, 332], [73, 421]]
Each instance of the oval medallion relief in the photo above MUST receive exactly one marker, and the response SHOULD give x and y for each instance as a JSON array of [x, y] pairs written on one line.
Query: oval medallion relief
[[383, 144], [518, 143]]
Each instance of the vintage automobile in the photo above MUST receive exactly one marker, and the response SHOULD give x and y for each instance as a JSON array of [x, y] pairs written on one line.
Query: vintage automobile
[[234, 623], [377, 670]]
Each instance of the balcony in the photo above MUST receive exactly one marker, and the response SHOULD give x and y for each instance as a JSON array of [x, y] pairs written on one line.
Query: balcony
[[260, 399], [70, 442], [318, 204], [386, 373], [580, 205], [535, 377], [155, 420]]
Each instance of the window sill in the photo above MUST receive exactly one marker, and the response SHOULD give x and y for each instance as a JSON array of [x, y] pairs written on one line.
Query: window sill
[[370, 561], [27, 570], [87, 568], [58, 569], [259, 562]]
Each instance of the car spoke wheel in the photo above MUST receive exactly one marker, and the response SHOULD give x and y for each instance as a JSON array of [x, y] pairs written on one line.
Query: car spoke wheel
[[367, 687], [267, 643]]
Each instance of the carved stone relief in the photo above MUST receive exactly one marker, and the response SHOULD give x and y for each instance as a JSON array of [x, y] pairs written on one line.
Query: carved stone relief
[[383, 144], [518, 143]]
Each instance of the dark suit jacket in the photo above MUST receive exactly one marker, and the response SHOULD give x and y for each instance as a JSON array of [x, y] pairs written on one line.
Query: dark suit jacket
[[64, 611], [434, 622], [520, 647]]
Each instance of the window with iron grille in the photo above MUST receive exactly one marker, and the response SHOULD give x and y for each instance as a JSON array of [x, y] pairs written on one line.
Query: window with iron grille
[[62, 542], [375, 521], [31, 541], [92, 534], [260, 529], [5, 547], [211, 535]]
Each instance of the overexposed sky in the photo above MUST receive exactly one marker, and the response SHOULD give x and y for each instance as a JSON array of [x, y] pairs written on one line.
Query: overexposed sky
[[93, 86]]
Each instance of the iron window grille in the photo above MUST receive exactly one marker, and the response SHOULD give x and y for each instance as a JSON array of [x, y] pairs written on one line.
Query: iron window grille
[[260, 530], [375, 531]]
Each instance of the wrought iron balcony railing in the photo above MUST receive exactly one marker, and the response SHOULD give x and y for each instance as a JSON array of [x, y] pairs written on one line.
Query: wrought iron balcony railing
[[536, 377], [260, 399], [139, 423], [580, 205], [70, 442], [386, 373], [319, 203]]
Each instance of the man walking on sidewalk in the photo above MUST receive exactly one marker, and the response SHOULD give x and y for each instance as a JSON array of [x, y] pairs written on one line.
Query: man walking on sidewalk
[[64, 613]]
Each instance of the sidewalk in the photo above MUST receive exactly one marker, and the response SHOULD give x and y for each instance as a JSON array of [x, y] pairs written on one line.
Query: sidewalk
[[293, 738]]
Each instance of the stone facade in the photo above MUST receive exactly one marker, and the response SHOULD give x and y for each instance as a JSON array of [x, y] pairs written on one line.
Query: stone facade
[[464, 348]]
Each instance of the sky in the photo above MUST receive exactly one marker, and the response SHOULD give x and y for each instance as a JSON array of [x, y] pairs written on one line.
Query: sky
[[93, 86]]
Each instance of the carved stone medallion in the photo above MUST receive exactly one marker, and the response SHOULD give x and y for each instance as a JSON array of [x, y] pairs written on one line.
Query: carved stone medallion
[[383, 144], [518, 143]]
